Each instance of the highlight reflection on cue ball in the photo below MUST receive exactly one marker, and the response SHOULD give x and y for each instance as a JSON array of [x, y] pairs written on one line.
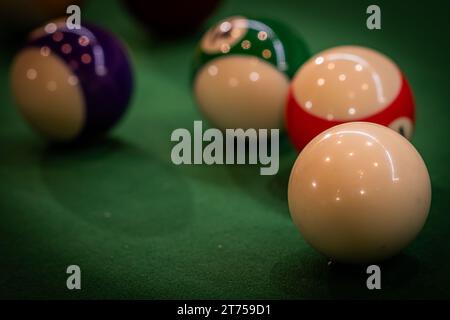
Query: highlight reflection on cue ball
[[359, 192], [345, 84]]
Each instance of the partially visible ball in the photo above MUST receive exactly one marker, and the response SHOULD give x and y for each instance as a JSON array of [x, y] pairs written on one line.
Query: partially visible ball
[[72, 84], [359, 192], [172, 18], [241, 72], [345, 84]]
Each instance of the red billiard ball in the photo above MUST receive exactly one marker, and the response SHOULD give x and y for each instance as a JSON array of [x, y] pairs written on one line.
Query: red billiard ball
[[345, 84], [72, 85]]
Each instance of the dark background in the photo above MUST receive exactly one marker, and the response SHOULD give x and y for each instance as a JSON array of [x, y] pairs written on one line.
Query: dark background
[[140, 227]]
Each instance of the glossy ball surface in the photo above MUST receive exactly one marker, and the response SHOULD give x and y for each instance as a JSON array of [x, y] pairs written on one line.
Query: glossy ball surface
[[345, 84], [359, 192], [71, 84], [241, 72]]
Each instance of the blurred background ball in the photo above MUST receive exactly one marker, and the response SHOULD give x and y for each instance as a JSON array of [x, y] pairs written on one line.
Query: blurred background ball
[[348, 83], [71, 84], [21, 16], [172, 18], [242, 69]]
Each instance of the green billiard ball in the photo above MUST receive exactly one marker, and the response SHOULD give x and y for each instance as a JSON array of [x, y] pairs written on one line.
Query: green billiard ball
[[242, 69]]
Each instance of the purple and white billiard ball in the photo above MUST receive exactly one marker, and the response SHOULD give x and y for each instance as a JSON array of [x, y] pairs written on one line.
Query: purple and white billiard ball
[[72, 84]]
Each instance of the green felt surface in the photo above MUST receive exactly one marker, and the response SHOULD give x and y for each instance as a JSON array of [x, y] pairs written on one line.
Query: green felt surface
[[141, 227]]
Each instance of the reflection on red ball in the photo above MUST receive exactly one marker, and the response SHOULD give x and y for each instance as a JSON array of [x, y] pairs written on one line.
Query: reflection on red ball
[[345, 84]]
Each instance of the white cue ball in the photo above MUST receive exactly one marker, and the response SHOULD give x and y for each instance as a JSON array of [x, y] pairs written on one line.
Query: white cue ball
[[359, 192]]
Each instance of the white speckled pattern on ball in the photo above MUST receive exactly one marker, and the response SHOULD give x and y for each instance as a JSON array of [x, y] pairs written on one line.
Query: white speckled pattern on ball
[[345, 83], [214, 40], [242, 92], [48, 94]]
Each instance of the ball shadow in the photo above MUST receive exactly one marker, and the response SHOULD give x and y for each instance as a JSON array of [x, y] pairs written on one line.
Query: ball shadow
[[117, 187], [270, 190], [308, 274]]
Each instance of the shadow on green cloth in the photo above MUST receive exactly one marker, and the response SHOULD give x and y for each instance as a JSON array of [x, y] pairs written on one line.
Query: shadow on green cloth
[[116, 186]]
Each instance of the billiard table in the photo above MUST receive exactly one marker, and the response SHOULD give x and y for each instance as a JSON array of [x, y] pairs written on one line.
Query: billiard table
[[139, 226]]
